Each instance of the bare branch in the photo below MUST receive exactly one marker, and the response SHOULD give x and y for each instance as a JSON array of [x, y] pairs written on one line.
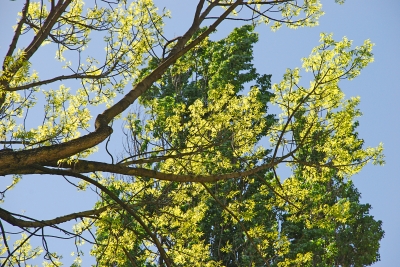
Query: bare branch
[[17, 32], [11, 218]]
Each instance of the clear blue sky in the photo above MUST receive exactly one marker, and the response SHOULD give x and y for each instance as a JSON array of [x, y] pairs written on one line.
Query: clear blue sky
[[378, 86]]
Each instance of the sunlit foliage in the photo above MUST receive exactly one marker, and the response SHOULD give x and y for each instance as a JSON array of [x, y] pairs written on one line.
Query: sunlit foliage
[[194, 181]]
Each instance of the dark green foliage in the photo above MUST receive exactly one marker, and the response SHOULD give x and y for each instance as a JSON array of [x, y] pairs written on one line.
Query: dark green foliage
[[212, 66], [353, 243]]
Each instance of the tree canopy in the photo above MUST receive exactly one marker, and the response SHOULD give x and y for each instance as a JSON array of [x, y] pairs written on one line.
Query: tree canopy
[[194, 181]]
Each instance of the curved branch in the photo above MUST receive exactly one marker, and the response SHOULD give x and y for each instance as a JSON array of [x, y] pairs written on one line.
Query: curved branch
[[84, 166], [11, 219], [58, 78], [126, 162]]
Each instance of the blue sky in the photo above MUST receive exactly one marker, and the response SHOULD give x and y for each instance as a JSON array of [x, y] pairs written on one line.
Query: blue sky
[[378, 86]]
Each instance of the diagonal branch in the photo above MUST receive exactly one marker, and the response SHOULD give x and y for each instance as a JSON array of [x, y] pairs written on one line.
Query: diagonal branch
[[121, 203], [179, 50], [17, 32], [42, 35]]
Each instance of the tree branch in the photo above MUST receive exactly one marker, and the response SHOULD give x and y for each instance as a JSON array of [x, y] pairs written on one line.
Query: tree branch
[[10, 160], [178, 51], [58, 78], [83, 166], [17, 32], [11, 219], [122, 204]]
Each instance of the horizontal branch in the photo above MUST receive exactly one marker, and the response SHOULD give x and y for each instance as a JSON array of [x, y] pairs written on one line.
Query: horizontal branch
[[58, 78], [83, 166], [274, 2], [11, 219]]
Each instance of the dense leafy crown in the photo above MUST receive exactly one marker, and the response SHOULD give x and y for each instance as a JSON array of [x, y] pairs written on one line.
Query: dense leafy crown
[[194, 181]]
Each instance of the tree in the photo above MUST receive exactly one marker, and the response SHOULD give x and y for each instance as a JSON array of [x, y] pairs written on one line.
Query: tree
[[192, 185]]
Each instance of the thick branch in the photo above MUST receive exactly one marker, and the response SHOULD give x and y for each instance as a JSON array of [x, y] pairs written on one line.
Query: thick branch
[[178, 51], [10, 160], [47, 26]]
